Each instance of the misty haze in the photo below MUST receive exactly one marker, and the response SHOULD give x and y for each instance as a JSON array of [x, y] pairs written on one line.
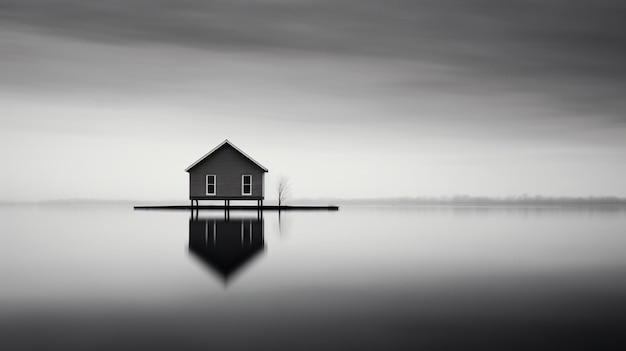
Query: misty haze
[[438, 175]]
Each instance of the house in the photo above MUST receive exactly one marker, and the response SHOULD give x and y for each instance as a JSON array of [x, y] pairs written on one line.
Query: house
[[226, 173]]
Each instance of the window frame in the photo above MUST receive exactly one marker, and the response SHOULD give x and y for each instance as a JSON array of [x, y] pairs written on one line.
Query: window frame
[[206, 185], [243, 177]]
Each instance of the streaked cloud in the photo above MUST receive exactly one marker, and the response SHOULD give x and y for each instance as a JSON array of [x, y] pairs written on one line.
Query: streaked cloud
[[569, 50]]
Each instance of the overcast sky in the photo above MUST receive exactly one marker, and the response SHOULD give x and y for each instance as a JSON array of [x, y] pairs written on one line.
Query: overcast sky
[[114, 99]]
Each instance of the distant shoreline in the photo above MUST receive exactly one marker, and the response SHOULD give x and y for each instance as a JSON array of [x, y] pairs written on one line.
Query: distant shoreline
[[487, 201], [460, 200]]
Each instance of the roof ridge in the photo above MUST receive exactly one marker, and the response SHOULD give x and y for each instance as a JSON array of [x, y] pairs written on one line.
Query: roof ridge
[[226, 141]]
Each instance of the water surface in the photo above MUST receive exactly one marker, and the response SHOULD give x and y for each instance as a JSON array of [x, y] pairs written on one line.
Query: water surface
[[435, 278]]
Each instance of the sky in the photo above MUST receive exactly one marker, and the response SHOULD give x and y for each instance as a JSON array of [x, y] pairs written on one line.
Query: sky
[[348, 99]]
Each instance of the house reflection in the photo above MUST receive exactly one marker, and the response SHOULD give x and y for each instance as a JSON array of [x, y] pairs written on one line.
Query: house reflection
[[226, 245]]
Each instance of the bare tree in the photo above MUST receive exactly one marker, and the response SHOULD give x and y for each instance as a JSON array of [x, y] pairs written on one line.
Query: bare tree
[[283, 189]]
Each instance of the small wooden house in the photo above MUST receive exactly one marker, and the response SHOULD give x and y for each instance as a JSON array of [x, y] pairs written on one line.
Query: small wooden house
[[226, 173]]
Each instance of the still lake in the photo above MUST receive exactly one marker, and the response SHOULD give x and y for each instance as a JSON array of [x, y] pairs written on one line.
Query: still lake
[[104, 277]]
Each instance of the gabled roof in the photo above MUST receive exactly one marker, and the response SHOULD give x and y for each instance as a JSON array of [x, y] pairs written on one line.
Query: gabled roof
[[218, 147]]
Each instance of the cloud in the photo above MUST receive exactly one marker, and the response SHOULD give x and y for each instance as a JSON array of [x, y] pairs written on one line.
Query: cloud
[[564, 52]]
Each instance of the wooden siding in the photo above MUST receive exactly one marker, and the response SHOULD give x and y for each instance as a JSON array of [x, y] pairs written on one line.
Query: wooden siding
[[228, 165]]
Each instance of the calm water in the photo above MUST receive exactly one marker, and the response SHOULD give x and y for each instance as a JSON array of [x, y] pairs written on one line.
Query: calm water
[[446, 278]]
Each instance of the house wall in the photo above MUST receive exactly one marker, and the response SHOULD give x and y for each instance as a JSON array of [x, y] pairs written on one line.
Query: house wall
[[228, 165]]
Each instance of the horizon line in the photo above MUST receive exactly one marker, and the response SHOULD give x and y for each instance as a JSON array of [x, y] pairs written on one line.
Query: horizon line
[[440, 199]]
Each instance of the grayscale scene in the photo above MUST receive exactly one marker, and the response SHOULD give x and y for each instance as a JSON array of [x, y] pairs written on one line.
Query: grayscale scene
[[312, 175]]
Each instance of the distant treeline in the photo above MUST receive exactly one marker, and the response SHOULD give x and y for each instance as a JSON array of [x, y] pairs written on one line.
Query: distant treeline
[[477, 200], [513, 200]]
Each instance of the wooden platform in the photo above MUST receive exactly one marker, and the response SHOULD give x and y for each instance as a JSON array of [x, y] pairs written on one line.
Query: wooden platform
[[250, 208]]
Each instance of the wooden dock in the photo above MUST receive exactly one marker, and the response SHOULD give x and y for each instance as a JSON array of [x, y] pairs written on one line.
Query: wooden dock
[[238, 208]]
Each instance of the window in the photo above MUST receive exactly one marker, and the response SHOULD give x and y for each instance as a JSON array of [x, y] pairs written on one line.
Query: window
[[210, 184], [246, 184]]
